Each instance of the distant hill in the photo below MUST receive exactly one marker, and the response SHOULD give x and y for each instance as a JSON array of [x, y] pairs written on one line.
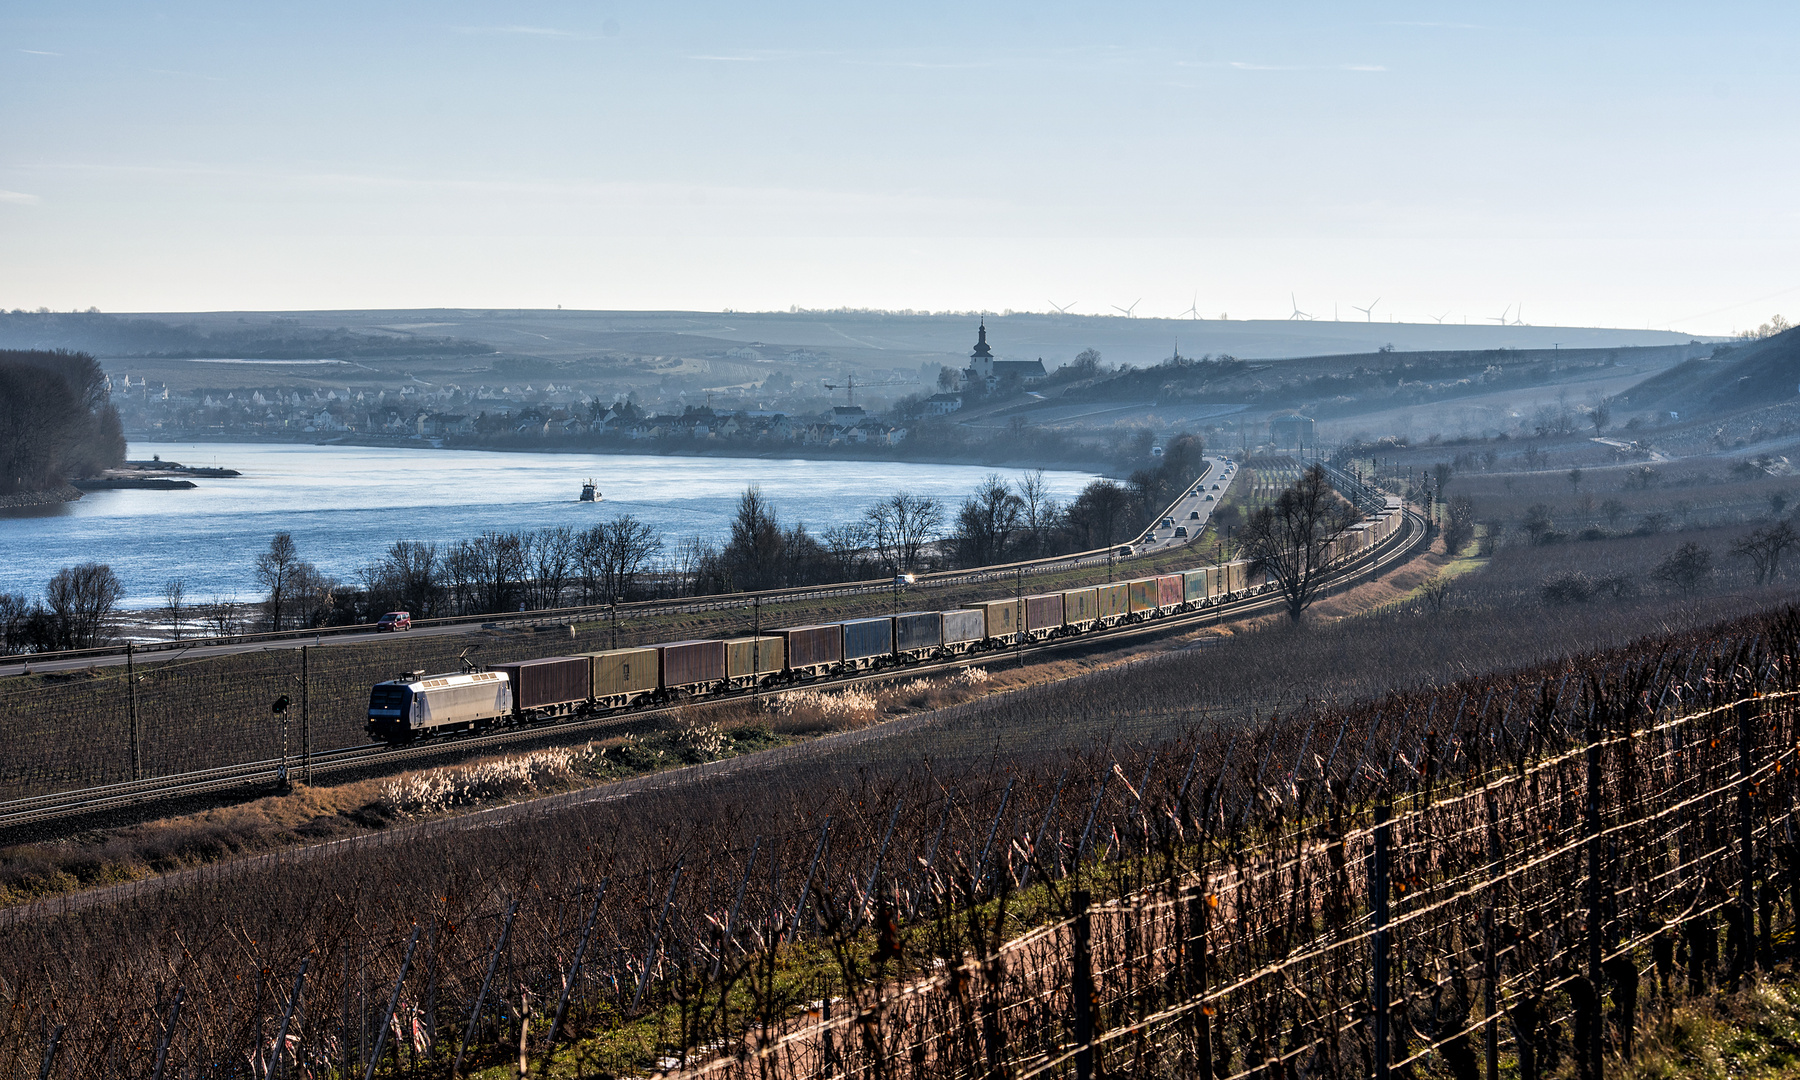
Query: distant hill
[[1734, 377]]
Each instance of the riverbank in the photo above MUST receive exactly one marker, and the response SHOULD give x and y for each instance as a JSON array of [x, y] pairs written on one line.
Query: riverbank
[[902, 454], [53, 497]]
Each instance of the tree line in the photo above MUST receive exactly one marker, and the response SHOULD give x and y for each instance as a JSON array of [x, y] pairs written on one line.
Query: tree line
[[56, 420], [624, 559]]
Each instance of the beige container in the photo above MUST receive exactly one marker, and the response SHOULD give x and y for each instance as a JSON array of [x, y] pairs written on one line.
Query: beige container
[[1081, 606], [1113, 601], [753, 655], [618, 672], [1003, 617]]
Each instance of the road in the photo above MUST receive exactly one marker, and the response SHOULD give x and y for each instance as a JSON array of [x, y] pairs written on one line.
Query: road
[[1193, 510], [1218, 478]]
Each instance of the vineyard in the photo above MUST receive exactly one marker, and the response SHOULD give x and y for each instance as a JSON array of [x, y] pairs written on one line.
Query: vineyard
[[1499, 868]]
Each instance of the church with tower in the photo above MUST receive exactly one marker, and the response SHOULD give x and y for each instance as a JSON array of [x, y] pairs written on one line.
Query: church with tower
[[985, 371]]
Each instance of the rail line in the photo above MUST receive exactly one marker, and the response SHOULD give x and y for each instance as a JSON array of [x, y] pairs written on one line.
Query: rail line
[[41, 808]]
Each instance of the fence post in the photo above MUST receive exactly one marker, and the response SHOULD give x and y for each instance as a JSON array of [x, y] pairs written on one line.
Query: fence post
[[656, 934], [731, 919], [393, 1003], [793, 931], [1198, 920], [1745, 961], [486, 981], [1378, 944], [50, 1052], [1589, 1056], [162, 1048], [287, 1017], [574, 971], [1081, 986], [981, 864]]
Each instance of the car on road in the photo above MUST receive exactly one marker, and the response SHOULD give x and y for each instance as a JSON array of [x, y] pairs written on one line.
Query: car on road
[[904, 579], [1180, 531], [394, 621], [1126, 550], [1168, 522], [1194, 515]]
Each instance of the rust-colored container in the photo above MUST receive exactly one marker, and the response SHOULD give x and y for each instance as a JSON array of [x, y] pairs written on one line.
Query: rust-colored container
[[692, 663], [1113, 601], [1043, 612], [813, 646], [547, 683], [1168, 590], [1146, 594]]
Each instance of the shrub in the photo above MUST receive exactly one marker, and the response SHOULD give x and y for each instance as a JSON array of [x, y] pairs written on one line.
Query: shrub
[[1573, 587], [1685, 568]]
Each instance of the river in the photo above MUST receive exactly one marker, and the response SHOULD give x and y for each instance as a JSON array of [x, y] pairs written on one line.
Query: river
[[345, 504]]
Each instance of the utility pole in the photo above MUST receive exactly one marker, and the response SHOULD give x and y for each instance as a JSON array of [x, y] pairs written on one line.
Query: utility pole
[[305, 720], [613, 613], [756, 644], [1019, 616], [131, 712]]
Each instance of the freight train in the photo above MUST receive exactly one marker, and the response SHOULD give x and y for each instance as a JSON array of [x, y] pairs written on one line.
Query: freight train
[[559, 687]]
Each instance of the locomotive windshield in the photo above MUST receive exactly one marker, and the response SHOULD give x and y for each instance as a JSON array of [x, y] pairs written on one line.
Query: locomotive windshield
[[388, 699]]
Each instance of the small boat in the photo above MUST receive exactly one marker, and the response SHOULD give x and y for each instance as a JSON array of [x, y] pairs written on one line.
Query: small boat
[[590, 492]]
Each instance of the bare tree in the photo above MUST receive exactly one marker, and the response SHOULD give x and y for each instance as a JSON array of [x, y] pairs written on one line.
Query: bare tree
[[275, 572], [1685, 568], [553, 561], [81, 601], [1098, 515], [612, 554], [986, 523], [1764, 548], [174, 591], [222, 616], [1039, 511], [1459, 524], [1292, 537], [901, 525]]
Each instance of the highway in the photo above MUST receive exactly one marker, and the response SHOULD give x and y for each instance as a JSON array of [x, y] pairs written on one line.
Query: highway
[[1215, 482]]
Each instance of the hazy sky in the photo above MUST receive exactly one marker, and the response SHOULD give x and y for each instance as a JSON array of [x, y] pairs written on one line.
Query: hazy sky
[[1603, 163]]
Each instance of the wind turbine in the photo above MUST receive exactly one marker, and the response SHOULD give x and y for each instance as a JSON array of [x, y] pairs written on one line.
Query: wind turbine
[[1298, 315], [1193, 308], [1063, 309], [1501, 319], [1519, 315], [1368, 312], [1440, 318], [1127, 311]]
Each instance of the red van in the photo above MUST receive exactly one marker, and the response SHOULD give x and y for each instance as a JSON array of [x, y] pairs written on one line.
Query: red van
[[394, 620]]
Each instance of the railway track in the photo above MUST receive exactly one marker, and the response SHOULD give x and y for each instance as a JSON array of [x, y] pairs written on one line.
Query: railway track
[[85, 801]]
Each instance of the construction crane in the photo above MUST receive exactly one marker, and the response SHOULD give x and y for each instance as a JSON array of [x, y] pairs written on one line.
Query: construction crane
[[849, 387]]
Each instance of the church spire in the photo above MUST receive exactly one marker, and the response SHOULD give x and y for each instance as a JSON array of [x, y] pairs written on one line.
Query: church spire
[[981, 346]]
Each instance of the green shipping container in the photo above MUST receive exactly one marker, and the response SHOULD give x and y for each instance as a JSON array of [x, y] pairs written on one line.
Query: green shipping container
[[1113, 601], [1193, 586], [622, 671], [1081, 606], [753, 655]]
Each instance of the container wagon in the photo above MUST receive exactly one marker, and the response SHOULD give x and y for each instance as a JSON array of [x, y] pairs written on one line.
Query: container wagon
[[1043, 616], [1112, 603], [868, 643], [753, 661], [1193, 588], [813, 650], [1146, 594], [918, 635], [1003, 619], [1081, 608], [1237, 578], [1169, 592], [551, 686], [692, 667], [413, 705], [620, 678], [964, 630]]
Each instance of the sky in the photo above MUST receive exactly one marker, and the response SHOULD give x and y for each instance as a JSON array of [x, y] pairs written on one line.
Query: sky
[[1598, 163]]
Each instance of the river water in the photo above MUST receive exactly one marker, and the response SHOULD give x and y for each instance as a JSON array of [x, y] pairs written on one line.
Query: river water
[[345, 504]]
